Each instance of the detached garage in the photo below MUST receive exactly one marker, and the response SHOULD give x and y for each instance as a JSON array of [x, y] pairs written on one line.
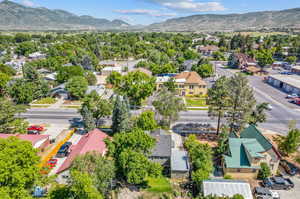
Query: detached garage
[[226, 188]]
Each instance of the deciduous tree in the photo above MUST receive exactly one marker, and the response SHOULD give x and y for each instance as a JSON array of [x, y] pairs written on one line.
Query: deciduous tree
[[77, 86]]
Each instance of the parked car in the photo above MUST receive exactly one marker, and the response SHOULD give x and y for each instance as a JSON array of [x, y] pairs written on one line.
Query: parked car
[[52, 163], [269, 107], [35, 128], [288, 167], [265, 193], [64, 150], [278, 183], [292, 96], [33, 132]]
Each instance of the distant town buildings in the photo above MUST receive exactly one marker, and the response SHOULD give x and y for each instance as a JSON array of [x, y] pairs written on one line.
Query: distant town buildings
[[242, 61], [208, 50]]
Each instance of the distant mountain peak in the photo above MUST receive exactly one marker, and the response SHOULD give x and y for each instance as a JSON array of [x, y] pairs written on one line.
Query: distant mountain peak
[[14, 16], [289, 18]]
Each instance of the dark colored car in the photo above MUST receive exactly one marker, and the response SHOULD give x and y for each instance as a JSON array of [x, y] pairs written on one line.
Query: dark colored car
[[64, 150], [33, 132], [278, 183], [289, 168]]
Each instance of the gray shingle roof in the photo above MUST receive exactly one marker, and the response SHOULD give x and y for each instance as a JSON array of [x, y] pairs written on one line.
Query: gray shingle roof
[[163, 144]]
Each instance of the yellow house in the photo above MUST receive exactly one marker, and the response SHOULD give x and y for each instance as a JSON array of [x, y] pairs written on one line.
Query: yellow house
[[187, 83]]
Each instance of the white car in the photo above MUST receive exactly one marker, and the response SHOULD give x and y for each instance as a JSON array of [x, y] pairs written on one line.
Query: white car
[[275, 195], [269, 107], [292, 96]]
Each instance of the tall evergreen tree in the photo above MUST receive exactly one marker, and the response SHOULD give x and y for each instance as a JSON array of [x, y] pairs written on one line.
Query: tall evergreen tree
[[218, 100], [88, 120], [121, 115], [241, 101]]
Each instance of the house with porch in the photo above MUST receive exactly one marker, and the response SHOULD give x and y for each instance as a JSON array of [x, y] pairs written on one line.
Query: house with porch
[[247, 152], [187, 83]]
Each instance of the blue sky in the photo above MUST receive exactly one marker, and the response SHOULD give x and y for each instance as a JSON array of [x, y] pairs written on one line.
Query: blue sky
[[149, 11]]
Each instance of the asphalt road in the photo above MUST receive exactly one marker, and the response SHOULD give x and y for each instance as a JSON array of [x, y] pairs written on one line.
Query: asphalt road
[[47, 115], [278, 118]]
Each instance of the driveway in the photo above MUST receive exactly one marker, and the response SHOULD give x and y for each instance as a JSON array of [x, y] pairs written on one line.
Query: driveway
[[293, 193]]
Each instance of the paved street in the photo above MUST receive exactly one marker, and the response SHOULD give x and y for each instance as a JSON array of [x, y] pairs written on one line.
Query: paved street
[[278, 117], [293, 193]]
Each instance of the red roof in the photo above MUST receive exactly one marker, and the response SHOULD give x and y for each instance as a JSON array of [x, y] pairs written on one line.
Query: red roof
[[93, 141], [31, 138]]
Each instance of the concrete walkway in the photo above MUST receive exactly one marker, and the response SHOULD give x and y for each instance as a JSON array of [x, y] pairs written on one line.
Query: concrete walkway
[[58, 104]]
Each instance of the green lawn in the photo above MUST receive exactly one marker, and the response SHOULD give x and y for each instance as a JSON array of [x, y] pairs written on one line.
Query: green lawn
[[195, 102], [46, 100], [159, 185]]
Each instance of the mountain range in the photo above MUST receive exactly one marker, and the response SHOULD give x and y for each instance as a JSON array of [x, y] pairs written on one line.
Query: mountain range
[[232, 22], [15, 16]]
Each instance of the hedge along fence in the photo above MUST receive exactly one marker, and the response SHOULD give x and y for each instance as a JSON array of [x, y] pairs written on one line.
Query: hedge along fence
[[56, 148]]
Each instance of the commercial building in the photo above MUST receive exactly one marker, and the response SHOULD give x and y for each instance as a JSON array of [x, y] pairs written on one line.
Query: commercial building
[[287, 83]]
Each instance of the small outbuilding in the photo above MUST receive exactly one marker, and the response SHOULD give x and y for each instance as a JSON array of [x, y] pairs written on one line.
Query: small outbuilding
[[179, 164], [226, 188]]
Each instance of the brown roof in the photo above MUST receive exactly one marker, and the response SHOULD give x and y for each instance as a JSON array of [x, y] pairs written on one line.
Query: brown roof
[[209, 48], [245, 57], [190, 78], [253, 69], [144, 70]]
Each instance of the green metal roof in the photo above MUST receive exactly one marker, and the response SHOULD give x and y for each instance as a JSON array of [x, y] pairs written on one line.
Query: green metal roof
[[253, 132], [238, 148]]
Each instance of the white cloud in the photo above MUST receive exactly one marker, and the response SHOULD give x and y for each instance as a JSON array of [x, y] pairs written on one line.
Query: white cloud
[[154, 13], [28, 3], [190, 5]]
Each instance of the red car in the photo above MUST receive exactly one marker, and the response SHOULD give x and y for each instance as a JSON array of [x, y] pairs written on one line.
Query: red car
[[35, 128], [52, 163]]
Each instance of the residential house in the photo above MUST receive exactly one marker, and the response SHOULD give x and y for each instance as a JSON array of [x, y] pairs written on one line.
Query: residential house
[[208, 50], [109, 69], [187, 83], [255, 70], [61, 92], [143, 70], [40, 142], [16, 64], [242, 61], [161, 153], [92, 142], [188, 64], [226, 188], [246, 153], [179, 164], [36, 56]]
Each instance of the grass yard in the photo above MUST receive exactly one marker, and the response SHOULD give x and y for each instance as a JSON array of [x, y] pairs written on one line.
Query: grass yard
[[195, 102], [46, 100], [159, 185]]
